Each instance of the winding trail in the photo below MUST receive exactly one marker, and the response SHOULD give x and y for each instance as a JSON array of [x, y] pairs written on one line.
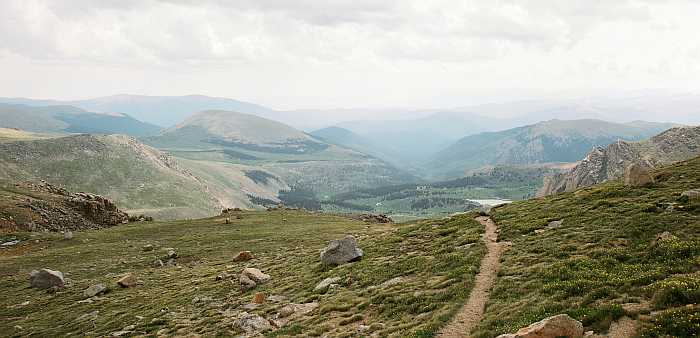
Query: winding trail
[[473, 310]]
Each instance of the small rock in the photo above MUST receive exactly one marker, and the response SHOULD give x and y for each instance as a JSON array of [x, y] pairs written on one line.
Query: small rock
[[46, 278], [323, 286], [228, 220], [68, 235], [259, 298], [158, 263], [148, 247], [286, 311], [555, 224], [94, 290], [129, 280], [341, 251], [276, 298], [10, 243], [255, 275], [243, 256], [539, 231], [172, 254], [252, 323], [692, 194], [246, 283], [665, 237]]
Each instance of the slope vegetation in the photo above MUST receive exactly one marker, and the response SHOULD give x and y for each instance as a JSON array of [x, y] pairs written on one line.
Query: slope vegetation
[[410, 282], [618, 251], [135, 176], [545, 142]]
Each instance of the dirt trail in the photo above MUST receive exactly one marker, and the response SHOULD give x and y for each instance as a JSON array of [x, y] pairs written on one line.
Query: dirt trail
[[623, 328], [473, 311]]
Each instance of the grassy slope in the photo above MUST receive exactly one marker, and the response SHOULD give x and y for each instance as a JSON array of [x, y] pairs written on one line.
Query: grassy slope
[[286, 244], [603, 256]]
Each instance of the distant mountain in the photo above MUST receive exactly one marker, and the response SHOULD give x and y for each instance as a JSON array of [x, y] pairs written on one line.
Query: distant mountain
[[164, 111], [418, 139], [236, 130], [346, 138], [69, 119], [602, 164], [544, 142]]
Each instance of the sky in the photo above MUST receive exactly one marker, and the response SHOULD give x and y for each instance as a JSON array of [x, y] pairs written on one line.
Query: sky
[[348, 53]]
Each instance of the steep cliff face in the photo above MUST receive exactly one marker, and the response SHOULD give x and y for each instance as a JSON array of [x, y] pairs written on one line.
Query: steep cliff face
[[602, 164]]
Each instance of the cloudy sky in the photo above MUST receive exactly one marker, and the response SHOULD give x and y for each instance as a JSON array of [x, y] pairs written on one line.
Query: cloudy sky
[[348, 53]]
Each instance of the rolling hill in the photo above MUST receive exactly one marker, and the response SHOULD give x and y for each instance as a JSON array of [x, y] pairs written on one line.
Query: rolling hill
[[551, 141], [163, 111], [69, 119]]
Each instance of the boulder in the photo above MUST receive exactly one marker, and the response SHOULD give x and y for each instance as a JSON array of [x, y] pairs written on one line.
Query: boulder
[[243, 256], [255, 275], [252, 324], [341, 251], [552, 327], [129, 280], [46, 278], [638, 174], [94, 290], [323, 286]]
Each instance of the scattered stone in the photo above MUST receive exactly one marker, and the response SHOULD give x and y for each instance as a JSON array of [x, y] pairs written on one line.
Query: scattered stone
[[158, 263], [323, 286], [691, 194], [94, 290], [555, 326], [252, 323], [120, 333], [291, 311], [46, 278], [148, 247], [341, 251], [555, 224], [68, 235], [286, 311], [255, 275], [171, 253], [129, 280], [246, 283], [665, 237], [539, 231], [228, 220], [638, 175], [10, 243], [259, 298], [243, 256]]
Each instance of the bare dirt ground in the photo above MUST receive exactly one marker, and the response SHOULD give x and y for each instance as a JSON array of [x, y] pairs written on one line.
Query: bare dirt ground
[[473, 310]]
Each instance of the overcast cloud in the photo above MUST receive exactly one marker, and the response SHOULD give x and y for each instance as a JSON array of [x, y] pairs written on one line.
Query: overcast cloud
[[347, 53]]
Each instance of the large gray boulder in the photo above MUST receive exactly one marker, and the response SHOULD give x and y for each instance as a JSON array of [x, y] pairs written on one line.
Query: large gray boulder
[[46, 278], [341, 251]]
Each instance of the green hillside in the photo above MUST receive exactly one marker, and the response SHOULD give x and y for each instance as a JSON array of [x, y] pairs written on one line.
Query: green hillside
[[431, 266], [621, 251]]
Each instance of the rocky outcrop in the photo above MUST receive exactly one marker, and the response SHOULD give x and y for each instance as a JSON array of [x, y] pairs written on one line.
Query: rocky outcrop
[[552, 327], [638, 174], [43, 206], [341, 251], [603, 164]]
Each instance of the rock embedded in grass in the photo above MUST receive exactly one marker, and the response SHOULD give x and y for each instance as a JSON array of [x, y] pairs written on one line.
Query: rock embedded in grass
[[246, 283], [129, 280], [94, 290], [691, 194], [325, 284], [252, 324], [255, 275], [340, 251], [68, 235], [243, 256], [148, 247], [46, 278], [555, 326], [638, 175]]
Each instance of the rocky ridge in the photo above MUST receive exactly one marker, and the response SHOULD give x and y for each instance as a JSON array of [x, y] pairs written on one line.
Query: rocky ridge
[[603, 164]]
